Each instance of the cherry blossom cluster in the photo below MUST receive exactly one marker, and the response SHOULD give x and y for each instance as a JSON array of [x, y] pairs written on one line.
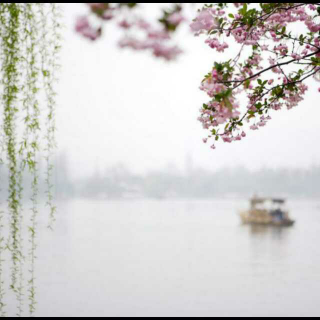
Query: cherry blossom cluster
[[269, 70], [139, 34]]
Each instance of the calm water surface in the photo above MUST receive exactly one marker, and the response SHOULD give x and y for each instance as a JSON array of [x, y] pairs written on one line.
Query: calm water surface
[[178, 258]]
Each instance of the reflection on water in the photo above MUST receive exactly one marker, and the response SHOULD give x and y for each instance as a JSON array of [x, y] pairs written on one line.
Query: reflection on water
[[178, 258], [269, 231]]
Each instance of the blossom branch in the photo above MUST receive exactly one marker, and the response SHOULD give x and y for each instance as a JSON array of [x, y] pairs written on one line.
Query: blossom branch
[[256, 28]]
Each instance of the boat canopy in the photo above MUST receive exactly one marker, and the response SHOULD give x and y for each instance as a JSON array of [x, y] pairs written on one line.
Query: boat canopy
[[256, 201], [279, 201]]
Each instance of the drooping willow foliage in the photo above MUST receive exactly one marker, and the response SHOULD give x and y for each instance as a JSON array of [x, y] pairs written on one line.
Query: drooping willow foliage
[[29, 48]]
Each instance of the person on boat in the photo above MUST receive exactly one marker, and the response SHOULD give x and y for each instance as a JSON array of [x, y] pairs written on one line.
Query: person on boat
[[278, 215]]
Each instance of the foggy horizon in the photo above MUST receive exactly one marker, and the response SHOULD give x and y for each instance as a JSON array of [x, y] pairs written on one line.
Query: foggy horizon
[[118, 182]]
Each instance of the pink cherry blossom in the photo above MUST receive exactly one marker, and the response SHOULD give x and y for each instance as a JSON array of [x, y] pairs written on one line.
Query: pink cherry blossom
[[254, 127], [204, 22], [215, 44], [125, 24], [176, 18], [166, 52], [83, 27]]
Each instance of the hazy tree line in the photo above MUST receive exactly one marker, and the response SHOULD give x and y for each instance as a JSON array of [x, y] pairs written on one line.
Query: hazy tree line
[[119, 183]]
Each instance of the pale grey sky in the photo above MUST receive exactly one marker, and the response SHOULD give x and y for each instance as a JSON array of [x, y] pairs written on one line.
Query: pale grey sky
[[120, 106]]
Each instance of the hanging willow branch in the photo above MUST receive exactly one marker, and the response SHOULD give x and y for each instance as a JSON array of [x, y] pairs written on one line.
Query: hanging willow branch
[[29, 50], [50, 53]]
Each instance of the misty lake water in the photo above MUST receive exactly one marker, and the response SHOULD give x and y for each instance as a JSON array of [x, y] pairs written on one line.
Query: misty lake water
[[177, 258]]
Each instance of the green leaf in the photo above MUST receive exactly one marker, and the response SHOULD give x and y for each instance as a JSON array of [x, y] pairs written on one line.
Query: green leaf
[[45, 73]]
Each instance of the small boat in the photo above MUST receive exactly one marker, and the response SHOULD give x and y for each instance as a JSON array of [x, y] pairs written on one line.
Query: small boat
[[268, 212]]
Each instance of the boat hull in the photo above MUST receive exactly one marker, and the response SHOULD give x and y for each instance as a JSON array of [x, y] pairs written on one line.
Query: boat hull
[[263, 218], [273, 224]]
